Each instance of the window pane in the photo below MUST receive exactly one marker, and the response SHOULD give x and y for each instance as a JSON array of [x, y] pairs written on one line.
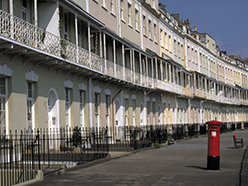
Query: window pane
[[2, 114], [2, 86], [30, 90]]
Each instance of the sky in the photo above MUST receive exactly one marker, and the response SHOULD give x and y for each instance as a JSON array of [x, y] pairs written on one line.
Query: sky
[[224, 20]]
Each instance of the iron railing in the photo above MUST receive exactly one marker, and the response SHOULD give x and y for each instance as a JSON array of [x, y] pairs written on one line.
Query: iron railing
[[24, 152]]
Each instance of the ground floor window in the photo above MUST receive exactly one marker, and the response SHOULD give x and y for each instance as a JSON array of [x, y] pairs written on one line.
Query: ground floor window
[[30, 101], [3, 98], [2, 114], [126, 102], [67, 107], [82, 105], [107, 109], [97, 104]]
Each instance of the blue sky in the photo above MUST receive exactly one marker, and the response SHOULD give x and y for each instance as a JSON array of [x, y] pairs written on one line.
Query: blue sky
[[224, 20]]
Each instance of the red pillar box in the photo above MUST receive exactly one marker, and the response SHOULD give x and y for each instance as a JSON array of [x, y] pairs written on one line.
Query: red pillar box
[[214, 145]]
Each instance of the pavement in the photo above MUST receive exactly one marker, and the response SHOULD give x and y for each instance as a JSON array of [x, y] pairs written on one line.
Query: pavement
[[181, 164]]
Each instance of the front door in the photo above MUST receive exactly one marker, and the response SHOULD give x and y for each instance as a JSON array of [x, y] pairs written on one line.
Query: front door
[[53, 120]]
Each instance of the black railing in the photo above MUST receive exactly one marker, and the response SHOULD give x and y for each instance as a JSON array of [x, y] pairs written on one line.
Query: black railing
[[24, 153], [122, 138]]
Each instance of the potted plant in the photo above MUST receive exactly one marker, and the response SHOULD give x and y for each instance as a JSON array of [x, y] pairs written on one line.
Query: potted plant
[[77, 139]]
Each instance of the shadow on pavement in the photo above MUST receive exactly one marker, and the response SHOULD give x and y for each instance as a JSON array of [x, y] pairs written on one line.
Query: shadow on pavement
[[197, 167]]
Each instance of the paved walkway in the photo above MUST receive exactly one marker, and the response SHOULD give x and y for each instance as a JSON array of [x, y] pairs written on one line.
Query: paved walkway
[[181, 164]]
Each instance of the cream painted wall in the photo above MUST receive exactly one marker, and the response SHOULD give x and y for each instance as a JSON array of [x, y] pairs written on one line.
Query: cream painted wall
[[81, 3], [165, 39], [17, 102], [129, 31], [150, 42], [104, 14]]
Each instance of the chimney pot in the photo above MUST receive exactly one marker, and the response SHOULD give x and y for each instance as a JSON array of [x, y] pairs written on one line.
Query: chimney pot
[[195, 28]]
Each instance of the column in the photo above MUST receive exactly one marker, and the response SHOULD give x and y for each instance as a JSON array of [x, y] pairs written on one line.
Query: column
[[145, 110], [90, 103], [101, 45], [201, 108], [152, 69], [104, 53], [101, 54], [161, 70], [140, 62], [156, 68], [189, 110], [133, 69], [123, 61], [35, 14], [147, 75], [169, 74], [87, 5], [114, 53], [11, 11], [35, 20], [131, 64], [176, 114], [89, 44], [76, 34], [186, 53], [194, 80]]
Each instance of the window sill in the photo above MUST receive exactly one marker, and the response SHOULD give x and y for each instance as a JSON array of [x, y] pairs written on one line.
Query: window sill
[[113, 14], [130, 26], [123, 21], [104, 8]]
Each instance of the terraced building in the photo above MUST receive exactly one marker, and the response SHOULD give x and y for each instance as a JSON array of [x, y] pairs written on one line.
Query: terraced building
[[114, 63]]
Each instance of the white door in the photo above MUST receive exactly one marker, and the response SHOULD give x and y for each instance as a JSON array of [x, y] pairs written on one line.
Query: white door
[[53, 120]]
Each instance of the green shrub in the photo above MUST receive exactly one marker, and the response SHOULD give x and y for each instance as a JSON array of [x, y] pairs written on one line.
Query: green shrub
[[156, 145]]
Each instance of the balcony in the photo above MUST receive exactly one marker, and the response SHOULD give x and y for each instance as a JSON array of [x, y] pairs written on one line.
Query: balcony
[[17, 31], [199, 93], [163, 85], [169, 87], [187, 92], [210, 96]]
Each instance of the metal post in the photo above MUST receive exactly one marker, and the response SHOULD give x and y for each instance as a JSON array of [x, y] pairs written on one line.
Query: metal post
[[38, 138]]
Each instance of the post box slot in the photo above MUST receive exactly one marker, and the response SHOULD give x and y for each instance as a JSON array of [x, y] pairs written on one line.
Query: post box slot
[[214, 127]]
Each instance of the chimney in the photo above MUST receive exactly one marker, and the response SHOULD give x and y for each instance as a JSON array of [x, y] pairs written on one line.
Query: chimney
[[162, 6], [195, 28], [187, 20]]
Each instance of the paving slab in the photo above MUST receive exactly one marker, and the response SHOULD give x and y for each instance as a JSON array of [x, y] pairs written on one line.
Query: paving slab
[[181, 164]]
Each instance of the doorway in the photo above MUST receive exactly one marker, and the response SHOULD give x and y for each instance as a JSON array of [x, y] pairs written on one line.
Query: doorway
[[53, 118]]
